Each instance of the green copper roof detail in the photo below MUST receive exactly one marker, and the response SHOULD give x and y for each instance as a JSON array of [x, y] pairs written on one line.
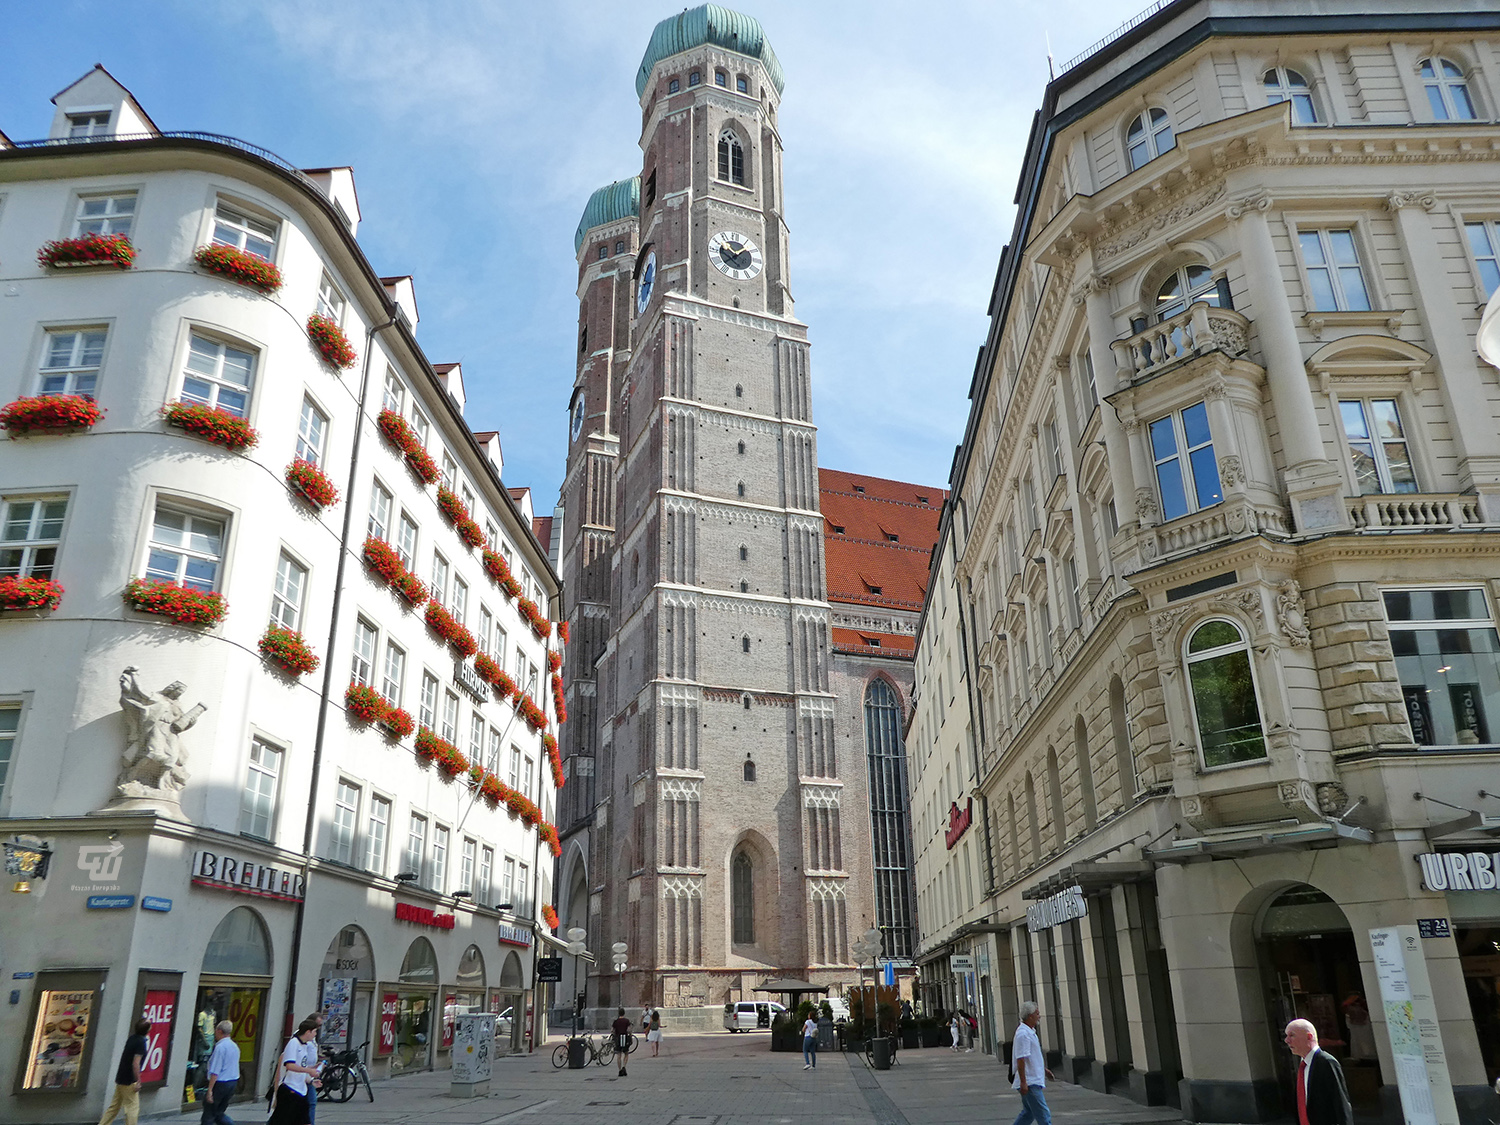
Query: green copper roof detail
[[709, 23], [619, 200]]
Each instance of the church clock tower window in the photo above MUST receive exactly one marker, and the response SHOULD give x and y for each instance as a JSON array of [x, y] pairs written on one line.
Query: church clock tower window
[[731, 158]]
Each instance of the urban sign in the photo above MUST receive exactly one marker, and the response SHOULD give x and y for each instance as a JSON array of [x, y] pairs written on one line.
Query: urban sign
[[958, 822], [406, 912], [549, 969], [513, 935], [1459, 871], [155, 902], [961, 963], [467, 678], [1434, 927], [229, 873], [1056, 909], [110, 902]]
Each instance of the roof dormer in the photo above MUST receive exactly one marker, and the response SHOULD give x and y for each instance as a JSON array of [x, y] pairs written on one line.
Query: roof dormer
[[403, 291], [489, 442], [98, 106], [338, 185], [451, 375]]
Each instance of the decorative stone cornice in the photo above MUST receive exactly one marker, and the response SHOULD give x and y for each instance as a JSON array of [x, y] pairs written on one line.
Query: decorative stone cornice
[[1259, 200], [1399, 199]]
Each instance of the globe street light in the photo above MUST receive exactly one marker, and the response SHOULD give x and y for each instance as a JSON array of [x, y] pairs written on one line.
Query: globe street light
[[576, 938], [619, 949]]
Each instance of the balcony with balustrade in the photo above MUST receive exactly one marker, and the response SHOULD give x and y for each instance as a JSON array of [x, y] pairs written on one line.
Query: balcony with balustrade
[[1198, 329]]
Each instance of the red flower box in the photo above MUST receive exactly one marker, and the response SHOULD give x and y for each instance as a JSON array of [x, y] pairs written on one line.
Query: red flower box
[[381, 557], [554, 661], [505, 686], [331, 342], [398, 723], [287, 648], [441, 622], [562, 631], [401, 435], [309, 480], [89, 250], [182, 605], [559, 704], [441, 752], [549, 915], [522, 806], [410, 587], [470, 532], [539, 624], [250, 270], [489, 671], [217, 426], [450, 505], [535, 717], [29, 593], [365, 703], [554, 756], [495, 566], [50, 412], [549, 837], [491, 789]]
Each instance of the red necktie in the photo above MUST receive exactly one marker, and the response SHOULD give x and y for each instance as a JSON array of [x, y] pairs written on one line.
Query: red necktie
[[1301, 1093]]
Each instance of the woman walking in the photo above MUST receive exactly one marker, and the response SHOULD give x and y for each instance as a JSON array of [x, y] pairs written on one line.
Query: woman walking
[[298, 1069], [954, 1031], [810, 1043], [653, 1036]]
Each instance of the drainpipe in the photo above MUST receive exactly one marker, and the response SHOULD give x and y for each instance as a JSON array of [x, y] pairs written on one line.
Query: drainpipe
[[310, 824]]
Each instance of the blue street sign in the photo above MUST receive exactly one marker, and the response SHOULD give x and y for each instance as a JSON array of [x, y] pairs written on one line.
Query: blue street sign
[[111, 902], [151, 902], [22, 976]]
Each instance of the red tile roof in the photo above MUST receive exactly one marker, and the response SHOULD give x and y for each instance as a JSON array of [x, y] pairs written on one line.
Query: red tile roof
[[878, 537], [866, 643], [541, 527]]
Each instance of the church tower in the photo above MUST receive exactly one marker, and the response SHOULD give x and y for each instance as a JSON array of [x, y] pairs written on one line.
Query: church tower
[[720, 854]]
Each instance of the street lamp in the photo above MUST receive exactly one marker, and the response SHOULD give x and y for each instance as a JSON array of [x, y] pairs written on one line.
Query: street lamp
[[866, 947], [619, 949], [576, 937]]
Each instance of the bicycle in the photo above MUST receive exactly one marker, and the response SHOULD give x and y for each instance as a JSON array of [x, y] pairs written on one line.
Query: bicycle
[[560, 1052], [343, 1074], [609, 1049]]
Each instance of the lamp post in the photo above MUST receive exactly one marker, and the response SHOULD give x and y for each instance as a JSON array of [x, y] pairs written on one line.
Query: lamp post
[[619, 949], [866, 947], [576, 937]]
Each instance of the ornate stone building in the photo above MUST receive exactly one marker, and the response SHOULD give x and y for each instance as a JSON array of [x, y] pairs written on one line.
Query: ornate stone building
[[1220, 573]]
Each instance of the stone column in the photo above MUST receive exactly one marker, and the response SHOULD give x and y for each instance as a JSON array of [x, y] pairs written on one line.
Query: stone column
[[1477, 444], [1095, 297], [1101, 1003], [1312, 483], [1077, 1060]]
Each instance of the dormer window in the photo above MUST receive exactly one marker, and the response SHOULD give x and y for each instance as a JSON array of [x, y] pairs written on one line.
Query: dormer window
[[1150, 135], [859, 488], [253, 235], [921, 500], [838, 529], [874, 589], [892, 537], [93, 124]]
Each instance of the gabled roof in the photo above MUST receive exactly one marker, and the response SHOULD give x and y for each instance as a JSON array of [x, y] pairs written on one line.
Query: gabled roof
[[146, 117], [878, 536]]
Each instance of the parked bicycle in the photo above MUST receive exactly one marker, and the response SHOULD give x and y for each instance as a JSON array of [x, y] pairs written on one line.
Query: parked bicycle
[[343, 1074], [595, 1050]]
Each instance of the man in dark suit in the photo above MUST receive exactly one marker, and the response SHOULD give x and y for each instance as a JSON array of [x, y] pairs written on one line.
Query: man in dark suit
[[1322, 1096]]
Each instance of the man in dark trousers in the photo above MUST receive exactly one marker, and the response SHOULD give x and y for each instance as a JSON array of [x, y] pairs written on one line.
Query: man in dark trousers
[[1322, 1096], [621, 1029]]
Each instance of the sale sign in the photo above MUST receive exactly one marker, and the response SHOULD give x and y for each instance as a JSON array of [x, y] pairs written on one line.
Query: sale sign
[[390, 1004], [244, 1013], [161, 1005]]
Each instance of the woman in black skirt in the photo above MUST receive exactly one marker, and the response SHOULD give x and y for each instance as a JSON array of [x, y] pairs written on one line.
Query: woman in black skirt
[[298, 1067]]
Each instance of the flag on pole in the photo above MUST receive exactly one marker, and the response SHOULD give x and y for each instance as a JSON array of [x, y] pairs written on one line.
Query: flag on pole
[[889, 979]]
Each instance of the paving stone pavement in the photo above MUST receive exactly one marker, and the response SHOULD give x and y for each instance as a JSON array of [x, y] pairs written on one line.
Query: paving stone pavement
[[724, 1079]]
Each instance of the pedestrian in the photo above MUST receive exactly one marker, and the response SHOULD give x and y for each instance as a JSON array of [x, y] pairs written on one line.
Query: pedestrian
[[971, 1028], [810, 1043], [316, 1019], [127, 1099], [954, 1032], [1322, 1096], [653, 1036], [1031, 1068], [298, 1075], [621, 1028], [223, 1076]]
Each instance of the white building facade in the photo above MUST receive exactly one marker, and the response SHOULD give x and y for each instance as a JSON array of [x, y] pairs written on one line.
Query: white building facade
[[225, 836]]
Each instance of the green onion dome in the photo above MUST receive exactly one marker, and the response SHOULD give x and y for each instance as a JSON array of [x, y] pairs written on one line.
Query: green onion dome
[[619, 200], [709, 23]]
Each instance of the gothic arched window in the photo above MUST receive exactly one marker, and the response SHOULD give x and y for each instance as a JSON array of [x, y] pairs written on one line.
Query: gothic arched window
[[742, 893], [1225, 708], [745, 643], [1150, 135], [1286, 85], [731, 158], [749, 770], [1447, 90]]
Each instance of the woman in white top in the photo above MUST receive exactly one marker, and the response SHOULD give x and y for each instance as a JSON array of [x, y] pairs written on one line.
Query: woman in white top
[[653, 1032], [298, 1068], [810, 1043], [954, 1031]]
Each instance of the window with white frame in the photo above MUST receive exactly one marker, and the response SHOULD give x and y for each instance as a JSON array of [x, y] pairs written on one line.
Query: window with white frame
[[262, 776], [439, 577], [406, 541], [393, 673], [1075, 589], [1286, 85], [1028, 505], [1090, 385], [362, 667], [491, 532], [105, 214], [476, 736], [449, 472], [1377, 445], [1447, 90], [30, 535], [287, 591], [244, 231], [1334, 276], [345, 817], [440, 859], [420, 425], [508, 883], [466, 865], [492, 758], [395, 394], [486, 629], [486, 874], [416, 845], [531, 670], [515, 767], [1448, 662], [501, 637], [71, 358], [92, 124], [1188, 285], [1054, 449], [1225, 708], [1149, 135], [523, 889], [10, 726], [460, 601], [1484, 243], [380, 511], [377, 832], [218, 375], [312, 433], [186, 548], [528, 777], [1044, 621], [466, 494], [1187, 476], [427, 704], [450, 716], [330, 300]]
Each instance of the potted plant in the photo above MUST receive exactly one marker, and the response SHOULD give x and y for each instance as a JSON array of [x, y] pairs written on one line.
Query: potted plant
[[239, 266], [179, 603], [288, 648], [55, 413], [113, 250], [24, 592], [450, 505], [398, 723], [311, 483], [404, 439], [469, 531], [211, 424], [364, 703], [331, 342]]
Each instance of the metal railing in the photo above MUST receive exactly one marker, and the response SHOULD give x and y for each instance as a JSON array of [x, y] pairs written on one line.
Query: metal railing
[[1134, 21], [179, 134]]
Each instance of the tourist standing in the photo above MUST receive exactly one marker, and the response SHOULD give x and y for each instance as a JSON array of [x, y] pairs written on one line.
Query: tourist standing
[[810, 1043], [1031, 1068], [298, 1075], [653, 1036]]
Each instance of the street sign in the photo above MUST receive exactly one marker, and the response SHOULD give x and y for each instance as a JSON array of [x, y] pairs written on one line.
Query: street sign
[[549, 969], [961, 963]]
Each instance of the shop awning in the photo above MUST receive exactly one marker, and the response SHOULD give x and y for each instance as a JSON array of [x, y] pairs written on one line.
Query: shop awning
[[1091, 875], [1260, 840], [1473, 822]]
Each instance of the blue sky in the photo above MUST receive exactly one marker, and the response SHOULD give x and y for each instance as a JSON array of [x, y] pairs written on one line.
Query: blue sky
[[477, 131]]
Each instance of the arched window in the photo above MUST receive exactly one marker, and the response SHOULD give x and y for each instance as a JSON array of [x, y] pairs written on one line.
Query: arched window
[[745, 699], [744, 552], [1187, 285], [1447, 90], [1224, 704], [419, 966], [749, 768], [1286, 85], [1120, 732], [672, 86], [694, 78], [731, 158], [890, 810], [740, 490], [1031, 815], [1015, 836], [720, 78], [603, 250], [742, 449], [744, 586], [1055, 794], [239, 945], [1150, 135], [742, 84], [742, 893], [745, 643], [620, 247], [739, 390], [1085, 770]]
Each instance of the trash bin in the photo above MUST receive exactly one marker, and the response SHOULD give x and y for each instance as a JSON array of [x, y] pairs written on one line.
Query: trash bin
[[825, 1034], [880, 1053], [578, 1054]]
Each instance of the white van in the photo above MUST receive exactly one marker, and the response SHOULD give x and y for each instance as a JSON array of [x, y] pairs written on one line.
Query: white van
[[751, 1015], [840, 1008]]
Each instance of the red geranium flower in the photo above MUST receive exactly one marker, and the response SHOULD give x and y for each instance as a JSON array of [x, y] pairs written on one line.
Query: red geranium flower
[[310, 481], [287, 648], [401, 435], [217, 426], [50, 412], [398, 723], [330, 341], [239, 266], [182, 605], [89, 250], [365, 703], [29, 593]]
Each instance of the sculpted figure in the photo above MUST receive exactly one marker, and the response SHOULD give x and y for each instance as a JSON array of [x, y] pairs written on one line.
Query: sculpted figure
[[154, 764]]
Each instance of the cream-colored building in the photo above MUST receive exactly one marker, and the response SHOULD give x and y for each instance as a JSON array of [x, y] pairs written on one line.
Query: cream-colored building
[[1225, 562]]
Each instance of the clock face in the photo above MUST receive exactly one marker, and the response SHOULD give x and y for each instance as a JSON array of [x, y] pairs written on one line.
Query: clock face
[[646, 284], [734, 255], [577, 426]]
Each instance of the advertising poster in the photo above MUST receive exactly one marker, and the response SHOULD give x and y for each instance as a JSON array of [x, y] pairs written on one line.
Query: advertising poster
[[161, 1006], [244, 1013], [1411, 1021], [62, 1029], [338, 996], [390, 1006]]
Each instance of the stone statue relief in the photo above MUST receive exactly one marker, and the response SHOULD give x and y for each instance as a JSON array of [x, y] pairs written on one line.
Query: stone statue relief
[[154, 765]]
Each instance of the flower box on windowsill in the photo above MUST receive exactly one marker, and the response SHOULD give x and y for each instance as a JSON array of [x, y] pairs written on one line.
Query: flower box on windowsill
[[535, 717], [398, 723], [549, 916], [111, 250], [310, 482], [20, 593], [331, 342], [365, 704], [441, 752], [57, 414], [289, 650], [182, 605], [401, 435], [249, 270], [548, 836], [217, 426], [441, 622]]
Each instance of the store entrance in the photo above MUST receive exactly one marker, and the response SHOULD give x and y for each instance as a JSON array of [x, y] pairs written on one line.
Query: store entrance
[[1479, 954], [1309, 970]]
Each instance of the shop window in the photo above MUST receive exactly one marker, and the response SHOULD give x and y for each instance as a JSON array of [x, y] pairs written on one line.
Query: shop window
[[233, 985], [346, 1007], [1448, 661], [1225, 708], [60, 1041]]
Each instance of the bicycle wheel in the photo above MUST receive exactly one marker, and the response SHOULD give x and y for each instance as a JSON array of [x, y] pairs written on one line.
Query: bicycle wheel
[[560, 1056], [606, 1053], [339, 1084], [631, 1042], [364, 1076]]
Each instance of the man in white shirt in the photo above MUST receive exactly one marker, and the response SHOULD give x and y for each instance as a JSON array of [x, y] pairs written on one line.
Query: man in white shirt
[[1031, 1068], [223, 1076]]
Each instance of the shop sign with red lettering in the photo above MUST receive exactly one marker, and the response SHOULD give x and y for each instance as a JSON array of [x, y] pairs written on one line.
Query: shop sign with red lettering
[[958, 822], [230, 873], [406, 912], [160, 1005], [390, 1004]]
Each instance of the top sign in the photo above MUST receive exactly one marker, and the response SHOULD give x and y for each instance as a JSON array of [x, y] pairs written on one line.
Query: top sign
[[958, 822], [513, 935], [469, 679], [1459, 871], [210, 869], [1056, 909]]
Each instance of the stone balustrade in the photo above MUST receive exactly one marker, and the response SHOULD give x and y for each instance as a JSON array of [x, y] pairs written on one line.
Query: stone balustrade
[[1412, 510], [1200, 328]]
